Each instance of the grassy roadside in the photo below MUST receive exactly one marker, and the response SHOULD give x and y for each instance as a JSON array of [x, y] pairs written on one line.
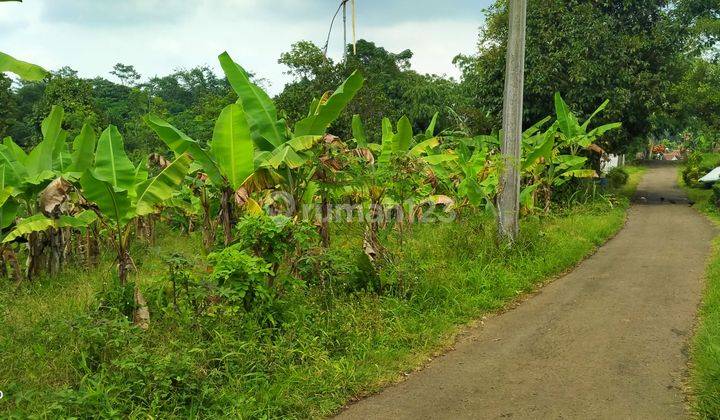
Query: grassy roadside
[[705, 366], [59, 362], [636, 172]]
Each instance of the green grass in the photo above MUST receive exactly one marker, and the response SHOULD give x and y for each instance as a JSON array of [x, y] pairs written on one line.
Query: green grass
[[710, 160], [59, 358], [705, 366], [636, 172]]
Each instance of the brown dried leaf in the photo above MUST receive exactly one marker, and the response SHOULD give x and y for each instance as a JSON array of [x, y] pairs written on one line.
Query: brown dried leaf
[[444, 200], [325, 97], [331, 139], [369, 250], [141, 315], [595, 148], [366, 155], [53, 196], [241, 196], [431, 178], [159, 160]]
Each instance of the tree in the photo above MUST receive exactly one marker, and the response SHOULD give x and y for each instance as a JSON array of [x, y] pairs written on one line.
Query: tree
[[9, 109], [127, 74], [75, 95], [122, 191], [391, 90], [703, 18], [630, 52], [697, 99]]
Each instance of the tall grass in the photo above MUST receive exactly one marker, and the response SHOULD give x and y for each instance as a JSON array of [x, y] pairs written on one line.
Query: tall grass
[[705, 366], [58, 358]]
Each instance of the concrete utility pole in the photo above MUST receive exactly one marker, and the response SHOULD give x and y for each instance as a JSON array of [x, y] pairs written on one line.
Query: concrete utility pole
[[344, 6], [509, 200]]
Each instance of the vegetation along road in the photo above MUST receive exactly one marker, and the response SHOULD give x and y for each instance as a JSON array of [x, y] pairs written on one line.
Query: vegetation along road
[[608, 340]]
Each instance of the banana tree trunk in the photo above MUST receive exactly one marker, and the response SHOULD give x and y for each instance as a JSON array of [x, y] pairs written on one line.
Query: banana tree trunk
[[141, 314], [17, 272], [208, 225], [226, 209], [8, 257], [91, 247], [547, 189], [3, 264], [55, 240], [37, 258], [325, 220], [124, 266]]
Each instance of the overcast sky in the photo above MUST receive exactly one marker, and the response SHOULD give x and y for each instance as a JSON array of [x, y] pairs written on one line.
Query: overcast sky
[[158, 36]]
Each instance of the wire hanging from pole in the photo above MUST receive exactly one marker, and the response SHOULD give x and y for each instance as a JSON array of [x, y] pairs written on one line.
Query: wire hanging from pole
[[332, 22]]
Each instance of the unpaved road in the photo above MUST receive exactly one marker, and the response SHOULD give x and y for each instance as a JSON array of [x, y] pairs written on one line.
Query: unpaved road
[[608, 340]]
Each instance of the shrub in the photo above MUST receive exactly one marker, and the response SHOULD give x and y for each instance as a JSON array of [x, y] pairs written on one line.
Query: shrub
[[716, 194], [617, 177], [697, 166], [276, 239], [243, 277], [340, 270]]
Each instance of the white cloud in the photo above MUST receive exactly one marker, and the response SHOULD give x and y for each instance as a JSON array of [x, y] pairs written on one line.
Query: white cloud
[[434, 44]]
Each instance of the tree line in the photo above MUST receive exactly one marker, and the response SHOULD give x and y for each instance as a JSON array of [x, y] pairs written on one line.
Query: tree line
[[655, 60]]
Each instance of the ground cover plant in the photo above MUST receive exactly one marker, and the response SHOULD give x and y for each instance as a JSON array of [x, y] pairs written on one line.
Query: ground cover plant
[[705, 362], [75, 353]]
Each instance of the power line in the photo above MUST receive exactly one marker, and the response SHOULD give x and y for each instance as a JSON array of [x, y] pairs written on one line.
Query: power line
[[343, 7], [332, 22]]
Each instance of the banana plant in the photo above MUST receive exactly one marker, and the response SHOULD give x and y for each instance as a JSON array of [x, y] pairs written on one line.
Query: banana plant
[[291, 154], [271, 133], [251, 148], [478, 180], [24, 70], [119, 192], [545, 167], [574, 135], [228, 164], [32, 177], [401, 171], [400, 143]]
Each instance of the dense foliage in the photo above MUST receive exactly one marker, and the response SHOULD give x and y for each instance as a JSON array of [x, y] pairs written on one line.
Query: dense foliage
[[303, 213], [632, 52]]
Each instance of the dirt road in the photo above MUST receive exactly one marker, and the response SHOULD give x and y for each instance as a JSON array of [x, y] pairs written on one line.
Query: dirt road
[[609, 340]]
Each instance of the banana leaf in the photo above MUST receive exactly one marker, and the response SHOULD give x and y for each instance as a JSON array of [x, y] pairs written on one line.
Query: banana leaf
[[180, 143], [160, 188], [260, 109], [40, 223], [111, 163], [24, 70], [232, 145], [330, 110]]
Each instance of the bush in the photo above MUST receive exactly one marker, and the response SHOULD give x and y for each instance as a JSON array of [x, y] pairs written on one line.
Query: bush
[[698, 164], [277, 239], [617, 177], [691, 172], [242, 276], [339, 270], [716, 194]]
